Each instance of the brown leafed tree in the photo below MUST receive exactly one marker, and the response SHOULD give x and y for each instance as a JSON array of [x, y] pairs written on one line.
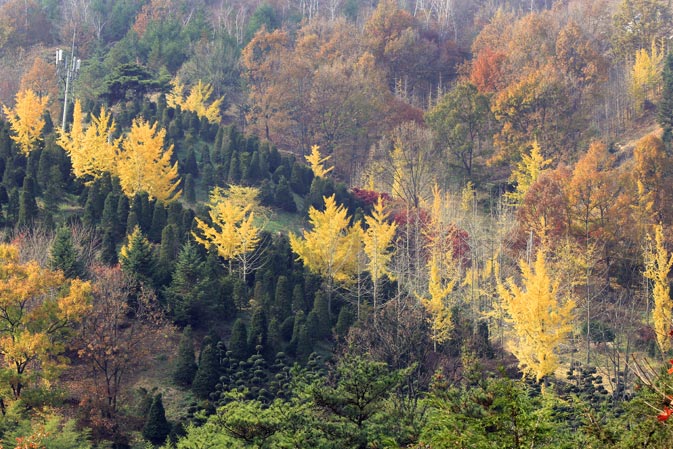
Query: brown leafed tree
[[120, 332]]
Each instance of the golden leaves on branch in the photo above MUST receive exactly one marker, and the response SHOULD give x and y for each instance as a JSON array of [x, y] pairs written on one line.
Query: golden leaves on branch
[[658, 263], [39, 306], [233, 230], [92, 150], [139, 159], [330, 248], [541, 320], [196, 101], [143, 165], [26, 119]]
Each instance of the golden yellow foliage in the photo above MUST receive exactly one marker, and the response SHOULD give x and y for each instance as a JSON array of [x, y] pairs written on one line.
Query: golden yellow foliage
[[92, 151], [440, 284], [541, 321], [39, 305], [377, 240], [233, 231], [527, 171], [26, 119], [658, 262], [316, 162], [330, 248], [646, 74], [196, 101], [143, 165]]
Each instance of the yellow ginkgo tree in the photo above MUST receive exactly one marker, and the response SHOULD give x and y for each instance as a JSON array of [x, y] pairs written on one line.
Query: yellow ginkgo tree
[[144, 165], [233, 229], [377, 240], [540, 317], [92, 149], [317, 162], [443, 270], [26, 119], [198, 100], [658, 263], [527, 171], [331, 247]]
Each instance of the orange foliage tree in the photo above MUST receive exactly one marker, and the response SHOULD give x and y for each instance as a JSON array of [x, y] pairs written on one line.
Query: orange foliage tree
[[39, 308]]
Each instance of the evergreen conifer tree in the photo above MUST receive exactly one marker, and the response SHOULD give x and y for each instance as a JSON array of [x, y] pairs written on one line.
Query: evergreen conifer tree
[[109, 215], [283, 298], [313, 328], [190, 189], [283, 196], [274, 339], [304, 345], [238, 343], [298, 301], [63, 255], [158, 222], [321, 309], [122, 217], [13, 206], [234, 176], [27, 204], [137, 259], [187, 288], [108, 254], [189, 166], [185, 365], [258, 328], [156, 427], [343, 322], [207, 375]]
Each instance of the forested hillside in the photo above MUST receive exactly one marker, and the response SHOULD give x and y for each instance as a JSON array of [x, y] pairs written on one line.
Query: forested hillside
[[336, 224]]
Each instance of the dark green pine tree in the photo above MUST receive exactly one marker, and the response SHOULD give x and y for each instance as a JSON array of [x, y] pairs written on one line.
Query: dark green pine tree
[[189, 165], [13, 207], [108, 252], [321, 309], [63, 255], [298, 301], [238, 343], [137, 258], [174, 215], [274, 159], [208, 374], [299, 322], [122, 217], [282, 306], [190, 189], [156, 427], [185, 364], [304, 345], [254, 174], [283, 196], [344, 322], [140, 207], [258, 329], [274, 339], [313, 326], [158, 222], [234, 176], [169, 248], [108, 220], [186, 290], [297, 180], [28, 210], [665, 107]]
